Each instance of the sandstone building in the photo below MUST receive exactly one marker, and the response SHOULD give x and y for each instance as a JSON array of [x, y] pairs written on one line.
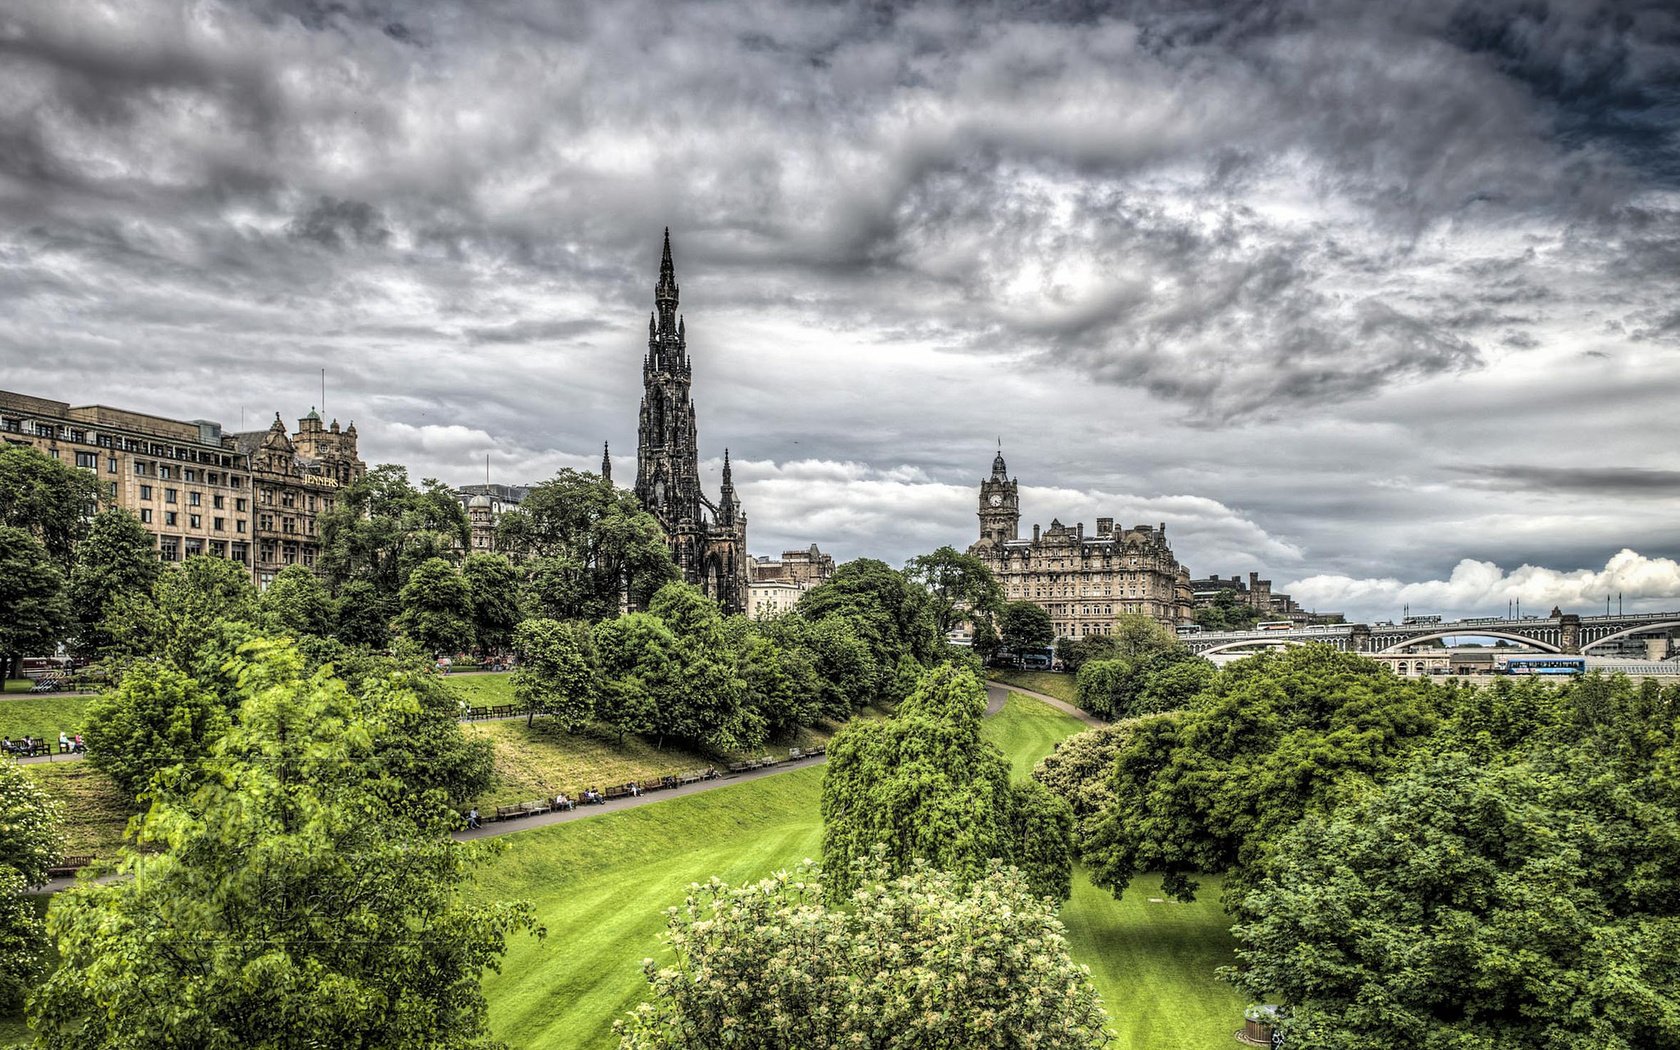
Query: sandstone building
[[775, 587], [250, 498], [1082, 580], [1258, 595], [708, 540]]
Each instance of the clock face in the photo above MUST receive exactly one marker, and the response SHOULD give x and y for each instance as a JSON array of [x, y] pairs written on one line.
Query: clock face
[[996, 500]]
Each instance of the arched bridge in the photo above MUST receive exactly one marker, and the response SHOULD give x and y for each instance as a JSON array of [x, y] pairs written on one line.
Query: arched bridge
[[1565, 633]]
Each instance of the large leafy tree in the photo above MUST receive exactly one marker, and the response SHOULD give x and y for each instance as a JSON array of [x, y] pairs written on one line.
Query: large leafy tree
[[382, 528], [30, 842], [117, 561], [37, 613], [842, 666], [435, 608], [1158, 680], [1463, 905], [1275, 736], [712, 708], [47, 499], [279, 899], [1024, 625], [926, 786], [556, 674], [493, 590], [186, 616], [296, 602], [921, 960], [1080, 771], [962, 588], [587, 547], [157, 718], [891, 615]]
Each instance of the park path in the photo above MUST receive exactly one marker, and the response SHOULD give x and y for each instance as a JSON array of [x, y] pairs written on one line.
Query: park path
[[1061, 705], [996, 695]]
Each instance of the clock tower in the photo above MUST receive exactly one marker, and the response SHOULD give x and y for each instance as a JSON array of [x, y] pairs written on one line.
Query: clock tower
[[1000, 508]]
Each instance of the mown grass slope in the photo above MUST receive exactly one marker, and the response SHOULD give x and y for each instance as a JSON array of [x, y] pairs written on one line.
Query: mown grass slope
[[1060, 686], [43, 715], [602, 886]]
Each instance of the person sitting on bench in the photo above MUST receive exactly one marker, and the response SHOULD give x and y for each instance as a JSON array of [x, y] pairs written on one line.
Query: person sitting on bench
[[472, 818], [562, 802]]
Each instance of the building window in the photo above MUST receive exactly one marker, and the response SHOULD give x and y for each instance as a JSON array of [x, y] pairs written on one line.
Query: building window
[[239, 505], [194, 521], [236, 482], [87, 460], [169, 495], [193, 499], [218, 502], [220, 524], [309, 556], [265, 551], [288, 499], [169, 548], [239, 553], [312, 503], [111, 491], [189, 474], [169, 517], [265, 522], [194, 547], [139, 467], [145, 515], [218, 548], [163, 471], [239, 525], [110, 464]]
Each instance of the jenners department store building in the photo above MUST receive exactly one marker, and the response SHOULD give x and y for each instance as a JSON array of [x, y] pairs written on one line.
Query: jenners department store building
[[253, 498]]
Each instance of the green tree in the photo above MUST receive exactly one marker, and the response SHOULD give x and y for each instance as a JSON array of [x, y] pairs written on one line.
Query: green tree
[[1080, 771], [926, 786], [382, 528], [586, 546], [435, 608], [962, 588], [51, 501], [37, 614], [118, 560], [886, 611], [921, 960], [710, 707], [493, 588], [287, 903], [1227, 612], [1023, 625], [1460, 905], [556, 673], [1280, 734], [641, 672], [364, 614], [186, 619], [30, 843], [1155, 680], [413, 719], [296, 603], [157, 718], [844, 670]]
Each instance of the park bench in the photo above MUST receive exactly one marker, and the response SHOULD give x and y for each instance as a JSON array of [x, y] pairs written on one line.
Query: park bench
[[813, 752], [510, 812], [541, 805], [665, 783], [618, 791], [693, 776], [70, 865]]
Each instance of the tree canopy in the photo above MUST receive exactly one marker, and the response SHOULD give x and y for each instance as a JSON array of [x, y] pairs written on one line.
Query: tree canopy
[[288, 900], [924, 785], [1024, 625], [31, 839], [51, 501], [37, 612], [962, 588], [435, 608], [919, 960], [117, 561], [381, 528]]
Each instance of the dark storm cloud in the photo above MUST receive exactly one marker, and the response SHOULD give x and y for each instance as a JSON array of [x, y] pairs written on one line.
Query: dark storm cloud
[[334, 223], [1618, 482]]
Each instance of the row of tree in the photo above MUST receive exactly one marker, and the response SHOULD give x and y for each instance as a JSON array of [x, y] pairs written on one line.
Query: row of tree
[[1410, 861]]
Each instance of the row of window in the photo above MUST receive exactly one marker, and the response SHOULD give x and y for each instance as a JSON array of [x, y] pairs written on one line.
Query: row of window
[[79, 436], [172, 519], [145, 468]]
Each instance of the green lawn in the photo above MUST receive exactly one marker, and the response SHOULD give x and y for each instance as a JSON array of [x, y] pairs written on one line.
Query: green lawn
[[1060, 686], [94, 809], [481, 690], [42, 715], [601, 887]]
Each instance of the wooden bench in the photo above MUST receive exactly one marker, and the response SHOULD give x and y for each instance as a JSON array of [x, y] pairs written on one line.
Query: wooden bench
[[618, 791], [70, 865], [737, 767], [509, 812]]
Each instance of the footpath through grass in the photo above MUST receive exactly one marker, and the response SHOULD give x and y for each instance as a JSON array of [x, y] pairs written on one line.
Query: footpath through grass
[[1060, 686], [43, 715], [601, 886]]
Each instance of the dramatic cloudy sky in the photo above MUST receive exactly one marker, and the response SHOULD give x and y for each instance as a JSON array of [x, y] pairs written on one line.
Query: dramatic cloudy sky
[[1377, 299]]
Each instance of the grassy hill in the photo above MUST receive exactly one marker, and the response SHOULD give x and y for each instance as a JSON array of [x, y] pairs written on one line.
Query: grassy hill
[[601, 887], [1052, 683]]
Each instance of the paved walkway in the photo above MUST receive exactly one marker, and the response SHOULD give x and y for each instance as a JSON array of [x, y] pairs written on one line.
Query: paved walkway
[[1061, 705]]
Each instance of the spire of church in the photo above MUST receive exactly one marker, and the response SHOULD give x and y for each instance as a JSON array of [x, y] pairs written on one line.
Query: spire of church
[[666, 290], [606, 463]]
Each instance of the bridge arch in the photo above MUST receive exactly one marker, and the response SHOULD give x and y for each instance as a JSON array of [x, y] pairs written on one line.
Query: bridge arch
[[1628, 632], [1465, 632]]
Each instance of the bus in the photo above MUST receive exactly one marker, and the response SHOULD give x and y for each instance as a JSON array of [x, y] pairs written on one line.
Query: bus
[[1037, 659], [1275, 625], [1545, 665]]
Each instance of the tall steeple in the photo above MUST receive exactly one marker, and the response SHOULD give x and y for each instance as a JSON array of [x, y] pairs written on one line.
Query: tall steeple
[[606, 463], [665, 292]]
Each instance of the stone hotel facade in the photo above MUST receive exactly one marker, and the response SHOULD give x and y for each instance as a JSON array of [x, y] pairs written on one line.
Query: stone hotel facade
[[252, 498]]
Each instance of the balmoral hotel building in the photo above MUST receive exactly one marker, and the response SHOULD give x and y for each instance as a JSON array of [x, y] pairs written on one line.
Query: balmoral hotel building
[[252, 498]]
